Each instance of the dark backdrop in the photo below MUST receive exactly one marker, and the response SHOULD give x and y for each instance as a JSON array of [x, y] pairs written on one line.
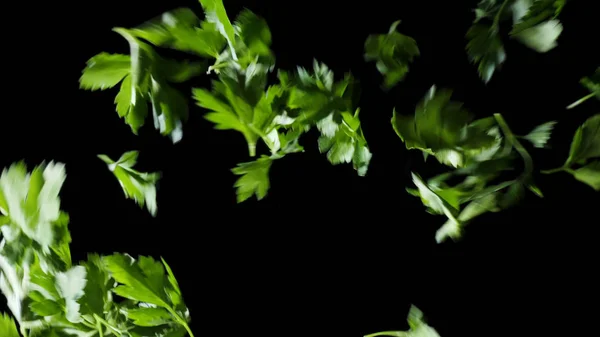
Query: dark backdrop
[[327, 253]]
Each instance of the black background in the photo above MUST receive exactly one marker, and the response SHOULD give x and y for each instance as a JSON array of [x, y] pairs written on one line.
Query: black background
[[327, 253]]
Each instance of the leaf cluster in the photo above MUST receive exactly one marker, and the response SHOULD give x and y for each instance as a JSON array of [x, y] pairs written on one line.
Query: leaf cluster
[[50, 296], [534, 24]]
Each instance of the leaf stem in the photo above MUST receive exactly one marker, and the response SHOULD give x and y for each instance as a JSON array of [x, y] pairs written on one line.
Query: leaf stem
[[99, 328], [512, 139], [581, 100], [497, 17], [181, 321], [387, 333], [108, 325]]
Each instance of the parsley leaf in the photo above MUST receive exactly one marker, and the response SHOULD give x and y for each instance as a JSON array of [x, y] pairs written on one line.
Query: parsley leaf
[[441, 127], [480, 152], [182, 30], [485, 48], [145, 281], [584, 152], [139, 186], [104, 71], [216, 14], [346, 143], [254, 178], [418, 327], [31, 205], [8, 328], [534, 12], [392, 53], [534, 25], [530, 27], [540, 135], [254, 175]]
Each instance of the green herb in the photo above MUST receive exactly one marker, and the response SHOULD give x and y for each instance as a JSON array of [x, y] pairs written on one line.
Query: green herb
[[392, 53], [418, 327], [534, 24], [50, 297], [139, 186], [480, 152], [584, 157]]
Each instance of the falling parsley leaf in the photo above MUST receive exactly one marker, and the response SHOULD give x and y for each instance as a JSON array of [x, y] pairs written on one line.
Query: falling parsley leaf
[[139, 186], [418, 327], [530, 13], [254, 178], [392, 53], [105, 71], [485, 48], [345, 143], [441, 127], [216, 14], [540, 135], [480, 152], [8, 328], [584, 152], [535, 24]]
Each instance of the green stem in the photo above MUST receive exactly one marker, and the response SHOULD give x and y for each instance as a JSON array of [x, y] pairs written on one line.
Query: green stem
[[99, 327], [497, 17], [388, 333], [181, 321], [581, 100], [24, 332], [108, 325], [510, 137]]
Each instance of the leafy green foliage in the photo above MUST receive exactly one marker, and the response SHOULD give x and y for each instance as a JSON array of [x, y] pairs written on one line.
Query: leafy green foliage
[[139, 186], [485, 48], [540, 135], [418, 327], [535, 25], [146, 77], [241, 98], [50, 297], [585, 154], [392, 53], [480, 151]]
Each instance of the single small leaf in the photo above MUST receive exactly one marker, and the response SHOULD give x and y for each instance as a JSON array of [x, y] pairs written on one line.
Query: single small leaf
[[392, 53], [8, 328], [254, 179], [142, 280], [541, 38], [254, 32], [215, 13], [139, 186], [530, 13], [104, 71], [540, 135], [589, 174], [149, 317], [586, 142], [485, 49]]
